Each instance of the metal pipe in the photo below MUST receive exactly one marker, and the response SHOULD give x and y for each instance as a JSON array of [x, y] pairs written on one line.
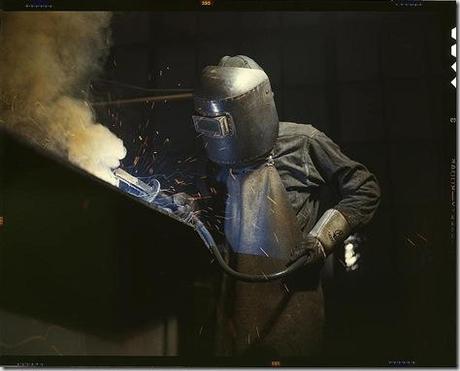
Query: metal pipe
[[154, 98], [135, 87]]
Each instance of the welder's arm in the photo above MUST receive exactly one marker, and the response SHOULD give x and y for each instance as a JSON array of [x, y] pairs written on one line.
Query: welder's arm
[[357, 186], [358, 189], [359, 196]]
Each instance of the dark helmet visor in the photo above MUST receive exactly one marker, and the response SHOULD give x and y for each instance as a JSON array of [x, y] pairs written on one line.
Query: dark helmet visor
[[218, 126]]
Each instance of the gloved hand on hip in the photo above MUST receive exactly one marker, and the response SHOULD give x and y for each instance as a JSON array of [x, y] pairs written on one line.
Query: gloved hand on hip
[[311, 247], [330, 230]]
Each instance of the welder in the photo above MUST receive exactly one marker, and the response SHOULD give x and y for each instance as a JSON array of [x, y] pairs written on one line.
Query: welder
[[290, 194]]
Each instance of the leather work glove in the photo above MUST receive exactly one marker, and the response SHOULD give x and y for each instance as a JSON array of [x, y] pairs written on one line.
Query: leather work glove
[[330, 230], [311, 247], [185, 204]]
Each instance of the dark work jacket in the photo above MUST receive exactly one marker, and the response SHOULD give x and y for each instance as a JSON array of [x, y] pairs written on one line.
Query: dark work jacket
[[316, 176], [313, 169]]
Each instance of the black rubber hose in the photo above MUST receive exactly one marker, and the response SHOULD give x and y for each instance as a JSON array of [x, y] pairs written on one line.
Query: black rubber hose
[[210, 243]]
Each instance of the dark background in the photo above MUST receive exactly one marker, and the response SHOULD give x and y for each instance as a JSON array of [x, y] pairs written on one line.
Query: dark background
[[377, 83]]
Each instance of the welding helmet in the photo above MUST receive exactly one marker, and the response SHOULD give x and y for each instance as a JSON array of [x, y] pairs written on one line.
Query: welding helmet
[[235, 112]]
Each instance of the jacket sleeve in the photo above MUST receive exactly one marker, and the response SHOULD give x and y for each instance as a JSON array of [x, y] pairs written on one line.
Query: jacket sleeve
[[358, 188]]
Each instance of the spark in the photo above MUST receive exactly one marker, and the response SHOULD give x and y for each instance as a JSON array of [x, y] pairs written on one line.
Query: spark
[[285, 286], [423, 238], [408, 239], [264, 252], [271, 199], [257, 330]]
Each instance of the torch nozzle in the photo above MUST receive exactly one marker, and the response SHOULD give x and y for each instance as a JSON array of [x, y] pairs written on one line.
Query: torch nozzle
[[136, 187]]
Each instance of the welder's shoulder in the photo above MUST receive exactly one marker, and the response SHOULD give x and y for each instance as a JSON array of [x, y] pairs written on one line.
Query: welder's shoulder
[[293, 129]]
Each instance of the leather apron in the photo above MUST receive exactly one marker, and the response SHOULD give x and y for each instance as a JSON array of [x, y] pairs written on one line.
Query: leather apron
[[278, 318]]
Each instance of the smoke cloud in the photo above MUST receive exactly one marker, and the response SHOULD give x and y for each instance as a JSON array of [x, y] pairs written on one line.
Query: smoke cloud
[[46, 62]]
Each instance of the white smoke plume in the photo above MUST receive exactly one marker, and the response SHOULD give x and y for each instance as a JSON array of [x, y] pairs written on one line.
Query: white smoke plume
[[46, 62]]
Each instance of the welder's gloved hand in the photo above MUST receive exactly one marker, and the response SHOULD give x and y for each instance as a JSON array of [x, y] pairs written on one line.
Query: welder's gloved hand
[[311, 248], [330, 230], [311, 251], [185, 203]]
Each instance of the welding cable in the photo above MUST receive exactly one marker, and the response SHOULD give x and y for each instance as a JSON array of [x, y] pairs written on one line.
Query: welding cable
[[247, 277]]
